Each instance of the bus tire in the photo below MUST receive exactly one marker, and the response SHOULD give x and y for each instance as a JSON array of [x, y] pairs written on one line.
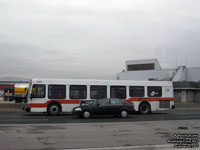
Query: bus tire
[[124, 114], [86, 114], [53, 109], [145, 108]]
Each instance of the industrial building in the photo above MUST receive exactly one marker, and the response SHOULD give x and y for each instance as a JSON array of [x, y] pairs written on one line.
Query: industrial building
[[186, 81], [9, 82]]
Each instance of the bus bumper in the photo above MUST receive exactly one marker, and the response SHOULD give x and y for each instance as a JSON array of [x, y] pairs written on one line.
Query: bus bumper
[[28, 109]]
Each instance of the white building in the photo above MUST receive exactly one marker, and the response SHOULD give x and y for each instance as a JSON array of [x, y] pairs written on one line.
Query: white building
[[150, 69], [186, 80]]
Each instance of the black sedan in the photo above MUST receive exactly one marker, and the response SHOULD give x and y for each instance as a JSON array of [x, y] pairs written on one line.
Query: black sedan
[[106, 106]]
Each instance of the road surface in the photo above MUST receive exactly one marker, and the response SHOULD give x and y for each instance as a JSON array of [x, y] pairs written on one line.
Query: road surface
[[27, 131], [40, 118]]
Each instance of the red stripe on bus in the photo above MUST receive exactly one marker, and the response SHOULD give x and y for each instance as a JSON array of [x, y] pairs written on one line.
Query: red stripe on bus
[[138, 99], [43, 105]]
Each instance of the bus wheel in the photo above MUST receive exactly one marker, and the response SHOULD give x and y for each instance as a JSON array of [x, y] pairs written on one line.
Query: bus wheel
[[144, 108], [86, 114], [53, 109]]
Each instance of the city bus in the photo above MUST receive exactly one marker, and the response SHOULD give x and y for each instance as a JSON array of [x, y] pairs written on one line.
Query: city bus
[[54, 96]]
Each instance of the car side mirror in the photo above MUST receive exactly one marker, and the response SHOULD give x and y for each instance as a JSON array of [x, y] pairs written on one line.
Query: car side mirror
[[97, 104]]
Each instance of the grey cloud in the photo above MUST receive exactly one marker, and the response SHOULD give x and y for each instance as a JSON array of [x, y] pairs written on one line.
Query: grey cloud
[[92, 38]]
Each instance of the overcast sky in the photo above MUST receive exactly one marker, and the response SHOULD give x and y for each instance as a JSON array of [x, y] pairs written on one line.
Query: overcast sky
[[94, 38]]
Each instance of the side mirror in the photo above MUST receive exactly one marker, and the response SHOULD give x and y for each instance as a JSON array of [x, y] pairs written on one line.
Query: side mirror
[[97, 104]]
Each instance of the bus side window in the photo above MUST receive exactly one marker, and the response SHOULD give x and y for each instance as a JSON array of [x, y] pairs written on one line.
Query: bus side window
[[118, 92], [78, 92], [98, 92], [56, 91], [154, 91], [136, 91]]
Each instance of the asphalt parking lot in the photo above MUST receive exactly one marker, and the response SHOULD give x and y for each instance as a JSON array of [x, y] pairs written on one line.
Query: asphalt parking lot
[[28, 131], [117, 135]]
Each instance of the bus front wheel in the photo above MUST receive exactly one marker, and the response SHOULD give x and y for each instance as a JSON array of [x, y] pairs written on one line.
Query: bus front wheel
[[53, 109], [144, 108]]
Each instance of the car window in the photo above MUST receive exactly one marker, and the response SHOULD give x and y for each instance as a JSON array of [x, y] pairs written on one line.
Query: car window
[[115, 101], [104, 102]]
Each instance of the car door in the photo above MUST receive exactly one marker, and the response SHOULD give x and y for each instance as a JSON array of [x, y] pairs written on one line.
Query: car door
[[115, 106], [102, 108]]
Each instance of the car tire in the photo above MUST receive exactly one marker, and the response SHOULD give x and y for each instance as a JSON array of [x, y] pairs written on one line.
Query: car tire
[[124, 113], [86, 114], [144, 108], [53, 109]]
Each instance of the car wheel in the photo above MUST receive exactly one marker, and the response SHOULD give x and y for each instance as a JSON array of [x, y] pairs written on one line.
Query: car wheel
[[144, 108], [124, 113], [53, 109], [86, 114]]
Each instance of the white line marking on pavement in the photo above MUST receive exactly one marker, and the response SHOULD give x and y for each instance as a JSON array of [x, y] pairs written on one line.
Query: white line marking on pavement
[[25, 120], [188, 117], [155, 147], [126, 147]]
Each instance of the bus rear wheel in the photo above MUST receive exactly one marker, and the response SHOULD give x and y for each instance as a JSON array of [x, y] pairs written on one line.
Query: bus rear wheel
[[145, 108], [53, 109]]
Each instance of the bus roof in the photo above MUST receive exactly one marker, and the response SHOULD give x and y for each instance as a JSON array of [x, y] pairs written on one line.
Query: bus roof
[[100, 82]]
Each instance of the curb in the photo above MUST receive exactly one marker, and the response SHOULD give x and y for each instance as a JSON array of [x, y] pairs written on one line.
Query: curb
[[6, 107], [11, 107]]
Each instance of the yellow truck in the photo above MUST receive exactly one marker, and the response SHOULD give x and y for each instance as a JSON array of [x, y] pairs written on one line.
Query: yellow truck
[[20, 92]]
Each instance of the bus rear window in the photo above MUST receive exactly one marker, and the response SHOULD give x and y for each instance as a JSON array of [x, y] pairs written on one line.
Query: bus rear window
[[38, 91]]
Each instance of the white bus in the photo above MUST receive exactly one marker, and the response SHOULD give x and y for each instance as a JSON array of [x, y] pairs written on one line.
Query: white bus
[[62, 95]]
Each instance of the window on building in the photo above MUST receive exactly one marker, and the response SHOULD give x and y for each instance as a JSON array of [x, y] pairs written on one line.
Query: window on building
[[136, 91], [98, 92], [78, 92], [56, 91], [118, 92], [38, 91], [154, 91], [136, 67]]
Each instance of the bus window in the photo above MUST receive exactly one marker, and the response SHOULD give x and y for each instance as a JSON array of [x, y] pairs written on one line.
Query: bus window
[[136, 91], [118, 92], [78, 92], [98, 92], [154, 91], [57, 92], [38, 91]]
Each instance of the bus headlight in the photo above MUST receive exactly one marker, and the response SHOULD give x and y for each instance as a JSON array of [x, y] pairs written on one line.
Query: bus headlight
[[78, 109]]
